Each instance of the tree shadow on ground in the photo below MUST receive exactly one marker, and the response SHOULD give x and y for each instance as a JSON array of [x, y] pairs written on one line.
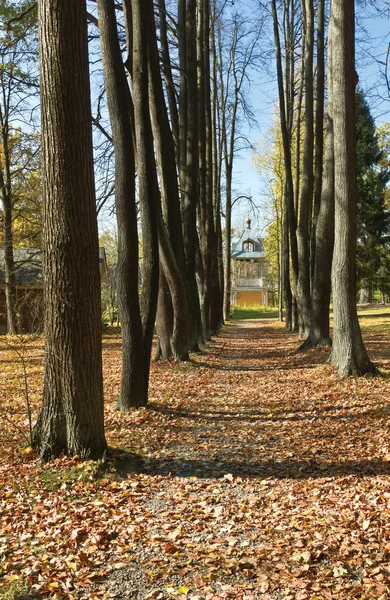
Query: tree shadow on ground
[[315, 413], [284, 469]]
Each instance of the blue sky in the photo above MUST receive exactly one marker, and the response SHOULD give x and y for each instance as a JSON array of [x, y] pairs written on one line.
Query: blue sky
[[372, 40]]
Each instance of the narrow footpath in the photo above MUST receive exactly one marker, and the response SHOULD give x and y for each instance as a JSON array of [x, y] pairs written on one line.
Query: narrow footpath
[[253, 473], [263, 477]]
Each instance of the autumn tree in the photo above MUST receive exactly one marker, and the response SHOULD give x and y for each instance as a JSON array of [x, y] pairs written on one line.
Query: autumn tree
[[286, 103], [172, 313], [324, 198], [17, 84], [120, 108], [306, 197], [188, 162], [71, 419], [348, 354]]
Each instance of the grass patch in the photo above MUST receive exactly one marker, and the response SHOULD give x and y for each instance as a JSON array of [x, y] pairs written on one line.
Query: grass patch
[[17, 590], [84, 472], [255, 311], [374, 319]]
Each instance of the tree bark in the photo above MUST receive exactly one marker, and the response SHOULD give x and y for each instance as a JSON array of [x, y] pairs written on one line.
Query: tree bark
[[6, 196], [303, 231], [348, 354], [319, 329], [365, 296], [167, 70], [119, 101], [142, 15], [188, 115], [211, 237], [71, 418], [319, 124], [172, 246], [290, 218]]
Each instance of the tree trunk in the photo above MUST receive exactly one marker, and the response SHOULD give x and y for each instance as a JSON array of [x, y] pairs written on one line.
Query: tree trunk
[[287, 294], [212, 241], [71, 419], [319, 124], [319, 331], [216, 168], [172, 247], [142, 15], [6, 196], [119, 100], [164, 320], [189, 122], [204, 288], [303, 231], [167, 70], [228, 238], [289, 187], [179, 335], [349, 354]]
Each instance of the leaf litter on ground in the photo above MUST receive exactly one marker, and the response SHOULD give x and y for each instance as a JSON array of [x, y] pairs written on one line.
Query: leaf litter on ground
[[254, 472]]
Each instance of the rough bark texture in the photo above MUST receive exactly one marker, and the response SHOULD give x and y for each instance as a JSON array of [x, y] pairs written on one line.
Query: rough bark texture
[[172, 245], [142, 13], [303, 231], [319, 123], [179, 334], [164, 320], [204, 273], [290, 219], [211, 237], [169, 85], [6, 197], [190, 168], [349, 354], [119, 100], [71, 418], [319, 330]]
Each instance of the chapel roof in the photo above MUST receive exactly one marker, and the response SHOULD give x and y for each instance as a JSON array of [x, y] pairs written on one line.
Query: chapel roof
[[248, 235]]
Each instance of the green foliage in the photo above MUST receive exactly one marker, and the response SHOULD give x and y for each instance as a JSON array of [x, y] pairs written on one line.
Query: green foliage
[[17, 590], [109, 241], [19, 98], [373, 176], [256, 311]]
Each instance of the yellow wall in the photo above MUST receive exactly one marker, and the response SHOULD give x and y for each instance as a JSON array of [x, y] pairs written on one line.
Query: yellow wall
[[249, 298]]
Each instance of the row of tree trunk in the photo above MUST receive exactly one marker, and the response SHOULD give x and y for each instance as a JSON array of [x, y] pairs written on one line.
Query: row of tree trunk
[[167, 163], [168, 156], [319, 222]]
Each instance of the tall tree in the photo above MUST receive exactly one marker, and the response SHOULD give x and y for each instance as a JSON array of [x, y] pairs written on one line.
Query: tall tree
[[305, 205], [172, 313], [142, 18], [319, 123], [120, 111], [348, 354], [323, 217], [71, 418], [188, 166], [17, 80], [238, 48], [289, 221]]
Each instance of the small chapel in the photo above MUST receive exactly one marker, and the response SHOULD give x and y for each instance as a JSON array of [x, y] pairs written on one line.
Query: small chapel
[[250, 285]]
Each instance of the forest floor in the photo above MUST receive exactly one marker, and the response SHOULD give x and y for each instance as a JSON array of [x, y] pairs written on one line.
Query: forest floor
[[254, 472]]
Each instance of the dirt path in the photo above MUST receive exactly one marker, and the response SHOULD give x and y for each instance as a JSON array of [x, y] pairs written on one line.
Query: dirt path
[[267, 477], [253, 473]]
